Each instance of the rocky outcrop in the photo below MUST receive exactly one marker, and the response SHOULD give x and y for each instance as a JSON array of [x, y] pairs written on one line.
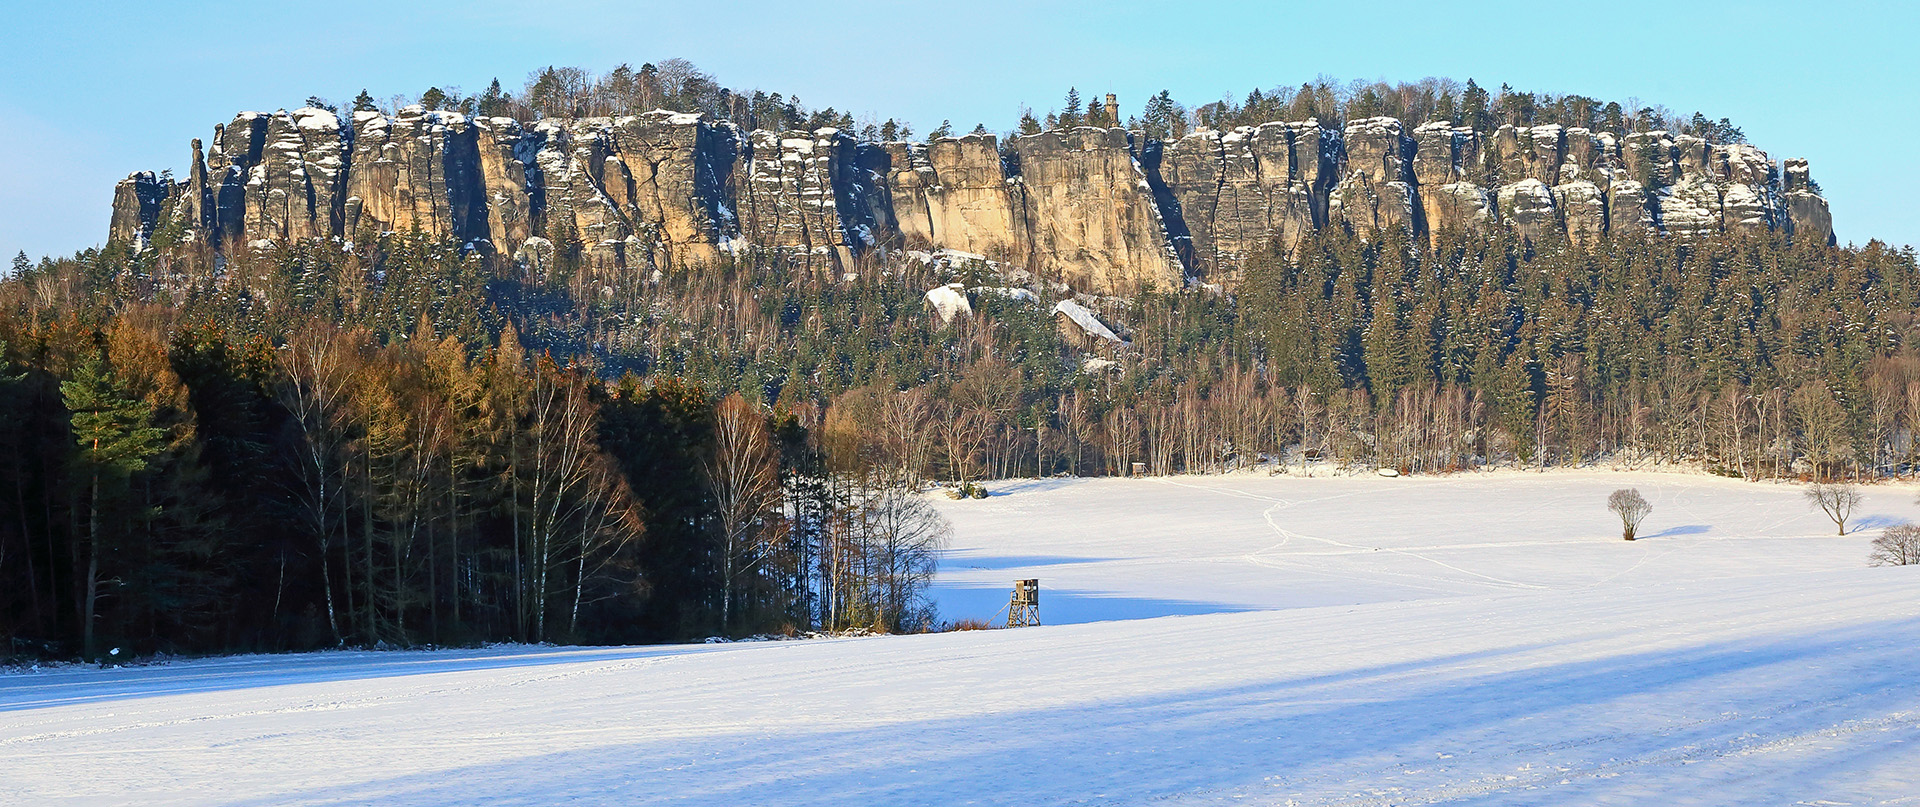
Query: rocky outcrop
[[1807, 214], [815, 192], [955, 193], [137, 201], [1446, 162], [1106, 210], [1377, 190], [1235, 190], [1091, 212]]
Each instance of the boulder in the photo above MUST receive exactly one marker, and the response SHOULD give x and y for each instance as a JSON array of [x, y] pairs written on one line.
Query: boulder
[[949, 302]]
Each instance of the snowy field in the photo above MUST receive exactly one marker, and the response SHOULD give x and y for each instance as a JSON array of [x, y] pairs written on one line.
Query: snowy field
[[1359, 641]]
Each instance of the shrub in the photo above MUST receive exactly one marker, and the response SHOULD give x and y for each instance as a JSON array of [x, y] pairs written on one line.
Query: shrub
[[1897, 546]]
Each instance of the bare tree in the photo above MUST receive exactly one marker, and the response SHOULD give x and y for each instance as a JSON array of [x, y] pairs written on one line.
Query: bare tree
[[1898, 545], [961, 430], [1837, 500], [318, 366], [903, 418], [906, 538], [743, 474], [1631, 507]]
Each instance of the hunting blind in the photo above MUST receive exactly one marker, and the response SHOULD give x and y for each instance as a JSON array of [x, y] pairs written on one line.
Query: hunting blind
[[1024, 608]]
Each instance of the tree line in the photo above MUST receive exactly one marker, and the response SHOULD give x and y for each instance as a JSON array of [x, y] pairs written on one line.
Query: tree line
[[178, 485], [679, 85]]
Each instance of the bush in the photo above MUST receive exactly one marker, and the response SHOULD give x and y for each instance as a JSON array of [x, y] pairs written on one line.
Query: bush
[[1631, 507], [1897, 546]]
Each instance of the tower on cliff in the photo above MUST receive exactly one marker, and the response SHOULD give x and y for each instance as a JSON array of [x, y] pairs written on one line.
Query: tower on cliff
[[1113, 110]]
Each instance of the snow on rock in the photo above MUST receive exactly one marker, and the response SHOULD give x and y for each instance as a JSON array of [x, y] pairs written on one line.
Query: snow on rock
[[316, 119], [949, 301], [1008, 292]]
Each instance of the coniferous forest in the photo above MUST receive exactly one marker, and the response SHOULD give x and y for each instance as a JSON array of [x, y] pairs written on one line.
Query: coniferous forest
[[390, 440]]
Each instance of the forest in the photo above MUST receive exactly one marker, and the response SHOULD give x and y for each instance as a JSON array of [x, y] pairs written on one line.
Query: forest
[[394, 443]]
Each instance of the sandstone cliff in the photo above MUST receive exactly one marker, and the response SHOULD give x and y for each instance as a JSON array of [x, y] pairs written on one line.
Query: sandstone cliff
[[1105, 210]]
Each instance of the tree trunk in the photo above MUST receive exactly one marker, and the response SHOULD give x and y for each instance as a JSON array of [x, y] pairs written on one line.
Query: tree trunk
[[93, 566]]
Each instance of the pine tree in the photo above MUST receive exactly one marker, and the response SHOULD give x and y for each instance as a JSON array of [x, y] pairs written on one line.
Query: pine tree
[[364, 102], [1474, 110], [433, 98], [20, 263], [945, 130], [116, 437], [1028, 126], [1070, 116], [1162, 117], [493, 102], [1613, 118]]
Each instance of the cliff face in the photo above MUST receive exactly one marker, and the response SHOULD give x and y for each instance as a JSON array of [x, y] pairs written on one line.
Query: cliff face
[[1234, 190], [1106, 210], [1091, 213]]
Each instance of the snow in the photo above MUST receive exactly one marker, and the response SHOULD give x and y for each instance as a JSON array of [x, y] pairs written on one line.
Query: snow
[[1479, 639], [1009, 292], [316, 119], [1086, 320], [949, 301]]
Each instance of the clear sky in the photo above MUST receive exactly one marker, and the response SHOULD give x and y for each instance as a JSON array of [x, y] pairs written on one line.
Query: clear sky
[[90, 91]]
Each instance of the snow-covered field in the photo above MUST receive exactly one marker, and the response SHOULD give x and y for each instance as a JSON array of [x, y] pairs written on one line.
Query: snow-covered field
[[1482, 639]]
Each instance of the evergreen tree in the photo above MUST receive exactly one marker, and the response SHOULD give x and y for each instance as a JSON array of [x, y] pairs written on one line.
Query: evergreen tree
[[364, 102], [493, 102], [1613, 118], [433, 98], [113, 429], [1474, 109], [1162, 118], [1028, 126], [1070, 114], [945, 130]]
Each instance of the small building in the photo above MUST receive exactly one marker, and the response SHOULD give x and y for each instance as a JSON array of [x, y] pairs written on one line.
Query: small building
[[1082, 328]]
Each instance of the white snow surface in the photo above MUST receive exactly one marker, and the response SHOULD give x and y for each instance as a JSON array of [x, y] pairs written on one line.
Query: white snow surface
[[1478, 639]]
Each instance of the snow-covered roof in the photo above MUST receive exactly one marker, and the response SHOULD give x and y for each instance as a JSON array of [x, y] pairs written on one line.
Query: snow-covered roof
[[1086, 320]]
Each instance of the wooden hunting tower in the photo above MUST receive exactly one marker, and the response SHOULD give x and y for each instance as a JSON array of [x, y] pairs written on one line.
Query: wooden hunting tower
[[1024, 608]]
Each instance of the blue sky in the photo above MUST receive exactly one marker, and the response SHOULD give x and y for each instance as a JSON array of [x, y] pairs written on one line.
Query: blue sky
[[90, 91]]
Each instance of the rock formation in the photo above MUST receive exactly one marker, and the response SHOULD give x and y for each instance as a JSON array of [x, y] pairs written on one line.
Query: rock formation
[[1106, 210]]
